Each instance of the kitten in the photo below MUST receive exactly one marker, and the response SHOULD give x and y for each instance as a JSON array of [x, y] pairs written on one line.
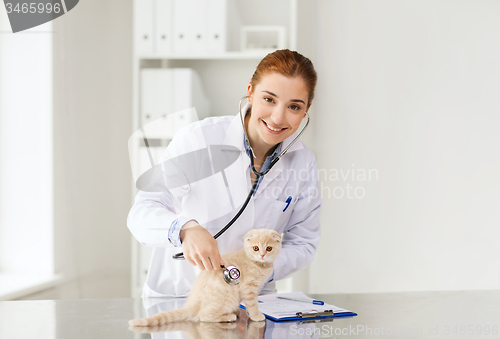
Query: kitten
[[213, 300], [202, 330]]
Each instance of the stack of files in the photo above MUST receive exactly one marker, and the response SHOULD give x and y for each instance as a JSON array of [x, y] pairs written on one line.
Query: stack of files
[[199, 26], [180, 26], [286, 310], [165, 91]]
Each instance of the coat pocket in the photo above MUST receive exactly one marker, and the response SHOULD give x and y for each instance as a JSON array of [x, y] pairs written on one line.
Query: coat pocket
[[281, 210]]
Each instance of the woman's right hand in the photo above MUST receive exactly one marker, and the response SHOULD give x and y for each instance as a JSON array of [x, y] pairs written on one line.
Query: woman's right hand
[[199, 247]]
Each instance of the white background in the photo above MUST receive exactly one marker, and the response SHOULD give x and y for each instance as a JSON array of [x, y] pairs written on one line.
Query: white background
[[410, 88]]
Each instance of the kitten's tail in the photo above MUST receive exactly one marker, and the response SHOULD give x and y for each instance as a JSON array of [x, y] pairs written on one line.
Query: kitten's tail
[[165, 317]]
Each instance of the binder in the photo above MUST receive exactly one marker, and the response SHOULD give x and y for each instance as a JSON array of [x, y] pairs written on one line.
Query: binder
[[164, 29], [217, 26], [182, 11], [188, 92], [198, 22], [289, 310], [149, 96], [143, 27]]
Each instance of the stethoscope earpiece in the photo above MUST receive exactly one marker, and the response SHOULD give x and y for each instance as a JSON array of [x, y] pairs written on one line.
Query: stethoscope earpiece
[[231, 275]]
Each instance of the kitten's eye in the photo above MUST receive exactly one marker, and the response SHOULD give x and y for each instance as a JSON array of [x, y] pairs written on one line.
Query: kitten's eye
[[269, 248], [256, 248]]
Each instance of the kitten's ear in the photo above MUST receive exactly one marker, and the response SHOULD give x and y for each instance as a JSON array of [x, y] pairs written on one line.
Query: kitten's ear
[[277, 237], [249, 235]]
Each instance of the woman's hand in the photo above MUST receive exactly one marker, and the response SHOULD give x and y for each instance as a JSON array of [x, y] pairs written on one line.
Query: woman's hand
[[199, 247]]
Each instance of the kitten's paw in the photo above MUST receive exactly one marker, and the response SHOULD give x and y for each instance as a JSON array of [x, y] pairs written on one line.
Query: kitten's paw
[[254, 325], [258, 316]]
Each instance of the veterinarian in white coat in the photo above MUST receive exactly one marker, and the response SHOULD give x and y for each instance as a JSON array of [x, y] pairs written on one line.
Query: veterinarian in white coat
[[287, 198]]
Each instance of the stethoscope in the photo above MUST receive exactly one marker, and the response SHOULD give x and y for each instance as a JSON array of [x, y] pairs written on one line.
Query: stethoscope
[[231, 273]]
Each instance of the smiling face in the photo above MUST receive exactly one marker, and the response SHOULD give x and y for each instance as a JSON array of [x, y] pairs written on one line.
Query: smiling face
[[278, 104]]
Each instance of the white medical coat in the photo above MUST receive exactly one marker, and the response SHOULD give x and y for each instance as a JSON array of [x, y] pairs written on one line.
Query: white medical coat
[[213, 201]]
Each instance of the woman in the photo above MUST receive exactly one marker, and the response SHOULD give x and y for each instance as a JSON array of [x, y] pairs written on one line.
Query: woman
[[286, 199]]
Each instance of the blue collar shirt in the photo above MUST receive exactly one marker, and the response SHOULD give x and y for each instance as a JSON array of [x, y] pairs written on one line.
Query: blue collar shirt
[[267, 162]]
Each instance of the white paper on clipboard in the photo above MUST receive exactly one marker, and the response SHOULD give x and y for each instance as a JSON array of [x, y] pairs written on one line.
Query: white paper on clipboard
[[270, 305]]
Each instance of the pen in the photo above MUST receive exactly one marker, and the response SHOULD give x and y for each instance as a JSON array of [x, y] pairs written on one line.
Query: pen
[[288, 200], [315, 302]]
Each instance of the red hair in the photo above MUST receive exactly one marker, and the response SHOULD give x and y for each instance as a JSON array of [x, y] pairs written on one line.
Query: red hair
[[290, 64]]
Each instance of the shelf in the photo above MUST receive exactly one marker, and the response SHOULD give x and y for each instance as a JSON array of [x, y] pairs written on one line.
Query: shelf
[[258, 55]]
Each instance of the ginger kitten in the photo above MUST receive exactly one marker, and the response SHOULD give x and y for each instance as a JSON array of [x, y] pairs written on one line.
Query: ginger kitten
[[213, 300], [204, 330]]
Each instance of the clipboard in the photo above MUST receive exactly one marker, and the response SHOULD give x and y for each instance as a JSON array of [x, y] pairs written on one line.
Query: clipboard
[[289, 310]]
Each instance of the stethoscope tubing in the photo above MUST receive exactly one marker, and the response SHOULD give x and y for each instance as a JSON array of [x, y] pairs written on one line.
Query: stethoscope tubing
[[180, 256]]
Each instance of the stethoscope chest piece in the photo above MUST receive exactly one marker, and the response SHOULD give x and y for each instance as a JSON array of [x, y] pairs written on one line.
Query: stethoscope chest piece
[[231, 275]]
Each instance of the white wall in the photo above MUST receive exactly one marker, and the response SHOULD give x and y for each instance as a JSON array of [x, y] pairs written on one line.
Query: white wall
[[26, 180], [410, 89], [92, 123]]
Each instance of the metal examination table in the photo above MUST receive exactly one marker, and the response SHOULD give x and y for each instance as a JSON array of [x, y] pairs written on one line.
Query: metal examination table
[[456, 314]]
